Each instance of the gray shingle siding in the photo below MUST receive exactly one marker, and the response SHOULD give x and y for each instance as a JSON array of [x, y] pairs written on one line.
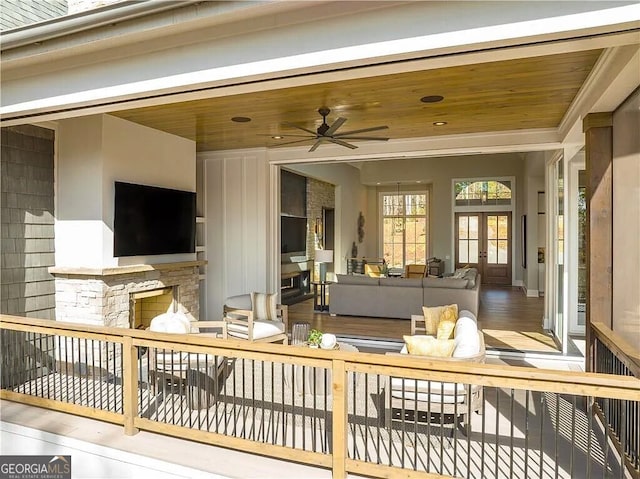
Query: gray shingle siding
[[17, 13], [27, 222]]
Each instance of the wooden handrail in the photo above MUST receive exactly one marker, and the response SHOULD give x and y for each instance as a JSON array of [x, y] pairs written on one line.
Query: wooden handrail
[[339, 363], [619, 346], [544, 380]]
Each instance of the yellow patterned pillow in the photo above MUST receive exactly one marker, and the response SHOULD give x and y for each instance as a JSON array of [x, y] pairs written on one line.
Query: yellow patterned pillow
[[373, 270], [429, 346], [434, 315], [447, 323]]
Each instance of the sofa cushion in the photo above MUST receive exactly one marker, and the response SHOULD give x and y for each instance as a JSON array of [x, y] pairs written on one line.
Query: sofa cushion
[[357, 279], [402, 282], [450, 282], [424, 345]]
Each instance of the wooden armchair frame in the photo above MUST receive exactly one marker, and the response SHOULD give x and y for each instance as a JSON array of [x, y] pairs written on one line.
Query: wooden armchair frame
[[246, 318]]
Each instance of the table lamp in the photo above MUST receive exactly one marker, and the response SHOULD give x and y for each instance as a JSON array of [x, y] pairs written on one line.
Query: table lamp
[[323, 256]]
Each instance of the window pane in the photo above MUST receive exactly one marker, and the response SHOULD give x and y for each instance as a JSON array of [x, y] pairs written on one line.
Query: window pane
[[463, 255], [473, 227], [503, 227], [502, 251], [463, 227], [492, 227], [473, 252], [492, 252]]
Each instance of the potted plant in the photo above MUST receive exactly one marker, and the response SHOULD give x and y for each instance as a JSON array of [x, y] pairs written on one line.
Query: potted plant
[[315, 338]]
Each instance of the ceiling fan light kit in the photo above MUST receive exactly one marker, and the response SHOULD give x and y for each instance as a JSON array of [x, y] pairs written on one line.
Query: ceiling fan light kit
[[326, 133]]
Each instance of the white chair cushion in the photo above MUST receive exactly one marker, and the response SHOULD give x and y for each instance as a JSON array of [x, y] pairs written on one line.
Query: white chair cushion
[[170, 323], [466, 338], [261, 329], [441, 393], [241, 301]]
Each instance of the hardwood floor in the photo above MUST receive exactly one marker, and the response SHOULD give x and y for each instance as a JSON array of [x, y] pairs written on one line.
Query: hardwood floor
[[509, 319]]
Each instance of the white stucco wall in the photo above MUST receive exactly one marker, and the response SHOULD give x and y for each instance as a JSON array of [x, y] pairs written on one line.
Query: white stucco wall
[[95, 151]]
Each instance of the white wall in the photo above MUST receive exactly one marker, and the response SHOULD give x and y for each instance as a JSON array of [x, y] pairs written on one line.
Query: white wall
[[439, 172], [238, 226], [626, 220], [95, 151], [533, 183]]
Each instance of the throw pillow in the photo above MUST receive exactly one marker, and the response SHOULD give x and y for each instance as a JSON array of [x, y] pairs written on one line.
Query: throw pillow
[[429, 346], [373, 270], [431, 318], [447, 323], [264, 306]]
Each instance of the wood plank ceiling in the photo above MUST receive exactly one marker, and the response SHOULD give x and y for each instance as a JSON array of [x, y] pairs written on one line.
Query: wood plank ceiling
[[506, 95]]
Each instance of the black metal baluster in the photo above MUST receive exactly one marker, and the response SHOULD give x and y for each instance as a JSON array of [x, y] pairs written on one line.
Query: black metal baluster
[[497, 431], [511, 435], [526, 434], [557, 440], [542, 413]]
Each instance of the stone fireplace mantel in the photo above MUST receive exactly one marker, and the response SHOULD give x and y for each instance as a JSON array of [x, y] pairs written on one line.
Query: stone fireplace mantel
[[103, 296]]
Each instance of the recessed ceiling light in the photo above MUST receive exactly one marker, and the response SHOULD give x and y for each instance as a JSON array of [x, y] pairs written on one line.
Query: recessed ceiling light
[[277, 137], [439, 123], [378, 183], [419, 181], [241, 119], [432, 99]]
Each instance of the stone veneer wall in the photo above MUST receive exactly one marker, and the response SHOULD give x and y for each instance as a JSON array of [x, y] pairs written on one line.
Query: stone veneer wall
[[27, 222], [104, 299], [319, 195]]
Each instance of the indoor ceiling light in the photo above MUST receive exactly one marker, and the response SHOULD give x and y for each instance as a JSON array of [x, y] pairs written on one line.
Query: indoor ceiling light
[[241, 119], [439, 123], [432, 99], [277, 137]]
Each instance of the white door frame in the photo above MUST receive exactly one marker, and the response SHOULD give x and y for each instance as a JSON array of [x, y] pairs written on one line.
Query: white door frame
[[576, 164]]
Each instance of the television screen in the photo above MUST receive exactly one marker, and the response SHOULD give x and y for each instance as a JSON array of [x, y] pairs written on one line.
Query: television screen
[[150, 220], [293, 234]]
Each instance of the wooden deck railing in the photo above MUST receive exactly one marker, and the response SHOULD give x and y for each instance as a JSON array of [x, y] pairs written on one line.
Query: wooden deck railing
[[612, 354], [324, 408]]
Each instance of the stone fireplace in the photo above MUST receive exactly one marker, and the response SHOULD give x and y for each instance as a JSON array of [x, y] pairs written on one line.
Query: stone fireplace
[[122, 297], [104, 297]]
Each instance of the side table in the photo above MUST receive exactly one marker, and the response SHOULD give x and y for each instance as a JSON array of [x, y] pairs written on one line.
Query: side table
[[320, 289]]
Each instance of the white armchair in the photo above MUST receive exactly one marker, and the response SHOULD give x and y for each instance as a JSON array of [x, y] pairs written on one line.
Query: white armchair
[[424, 397], [256, 317]]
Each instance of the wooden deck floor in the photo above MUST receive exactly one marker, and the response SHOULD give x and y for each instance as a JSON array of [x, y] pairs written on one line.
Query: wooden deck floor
[[510, 321]]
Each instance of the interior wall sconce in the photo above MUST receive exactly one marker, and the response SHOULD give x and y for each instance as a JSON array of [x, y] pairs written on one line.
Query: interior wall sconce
[[318, 226]]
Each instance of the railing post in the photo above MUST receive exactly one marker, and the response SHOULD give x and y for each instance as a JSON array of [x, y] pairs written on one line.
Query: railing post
[[129, 385], [339, 430]]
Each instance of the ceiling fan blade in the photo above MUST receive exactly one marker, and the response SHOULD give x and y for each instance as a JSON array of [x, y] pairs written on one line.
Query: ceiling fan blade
[[365, 138], [314, 133], [364, 130], [288, 135], [342, 143], [336, 124], [317, 144], [295, 141]]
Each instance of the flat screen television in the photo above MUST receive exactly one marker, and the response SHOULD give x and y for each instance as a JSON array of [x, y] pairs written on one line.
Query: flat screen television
[[293, 234], [149, 220]]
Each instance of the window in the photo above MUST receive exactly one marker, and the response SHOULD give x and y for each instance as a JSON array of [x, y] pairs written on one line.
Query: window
[[481, 193], [405, 228]]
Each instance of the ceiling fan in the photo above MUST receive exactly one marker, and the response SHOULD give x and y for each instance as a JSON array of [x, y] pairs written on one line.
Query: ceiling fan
[[328, 134]]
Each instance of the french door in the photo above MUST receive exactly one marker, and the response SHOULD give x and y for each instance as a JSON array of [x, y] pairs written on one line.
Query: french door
[[483, 241]]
